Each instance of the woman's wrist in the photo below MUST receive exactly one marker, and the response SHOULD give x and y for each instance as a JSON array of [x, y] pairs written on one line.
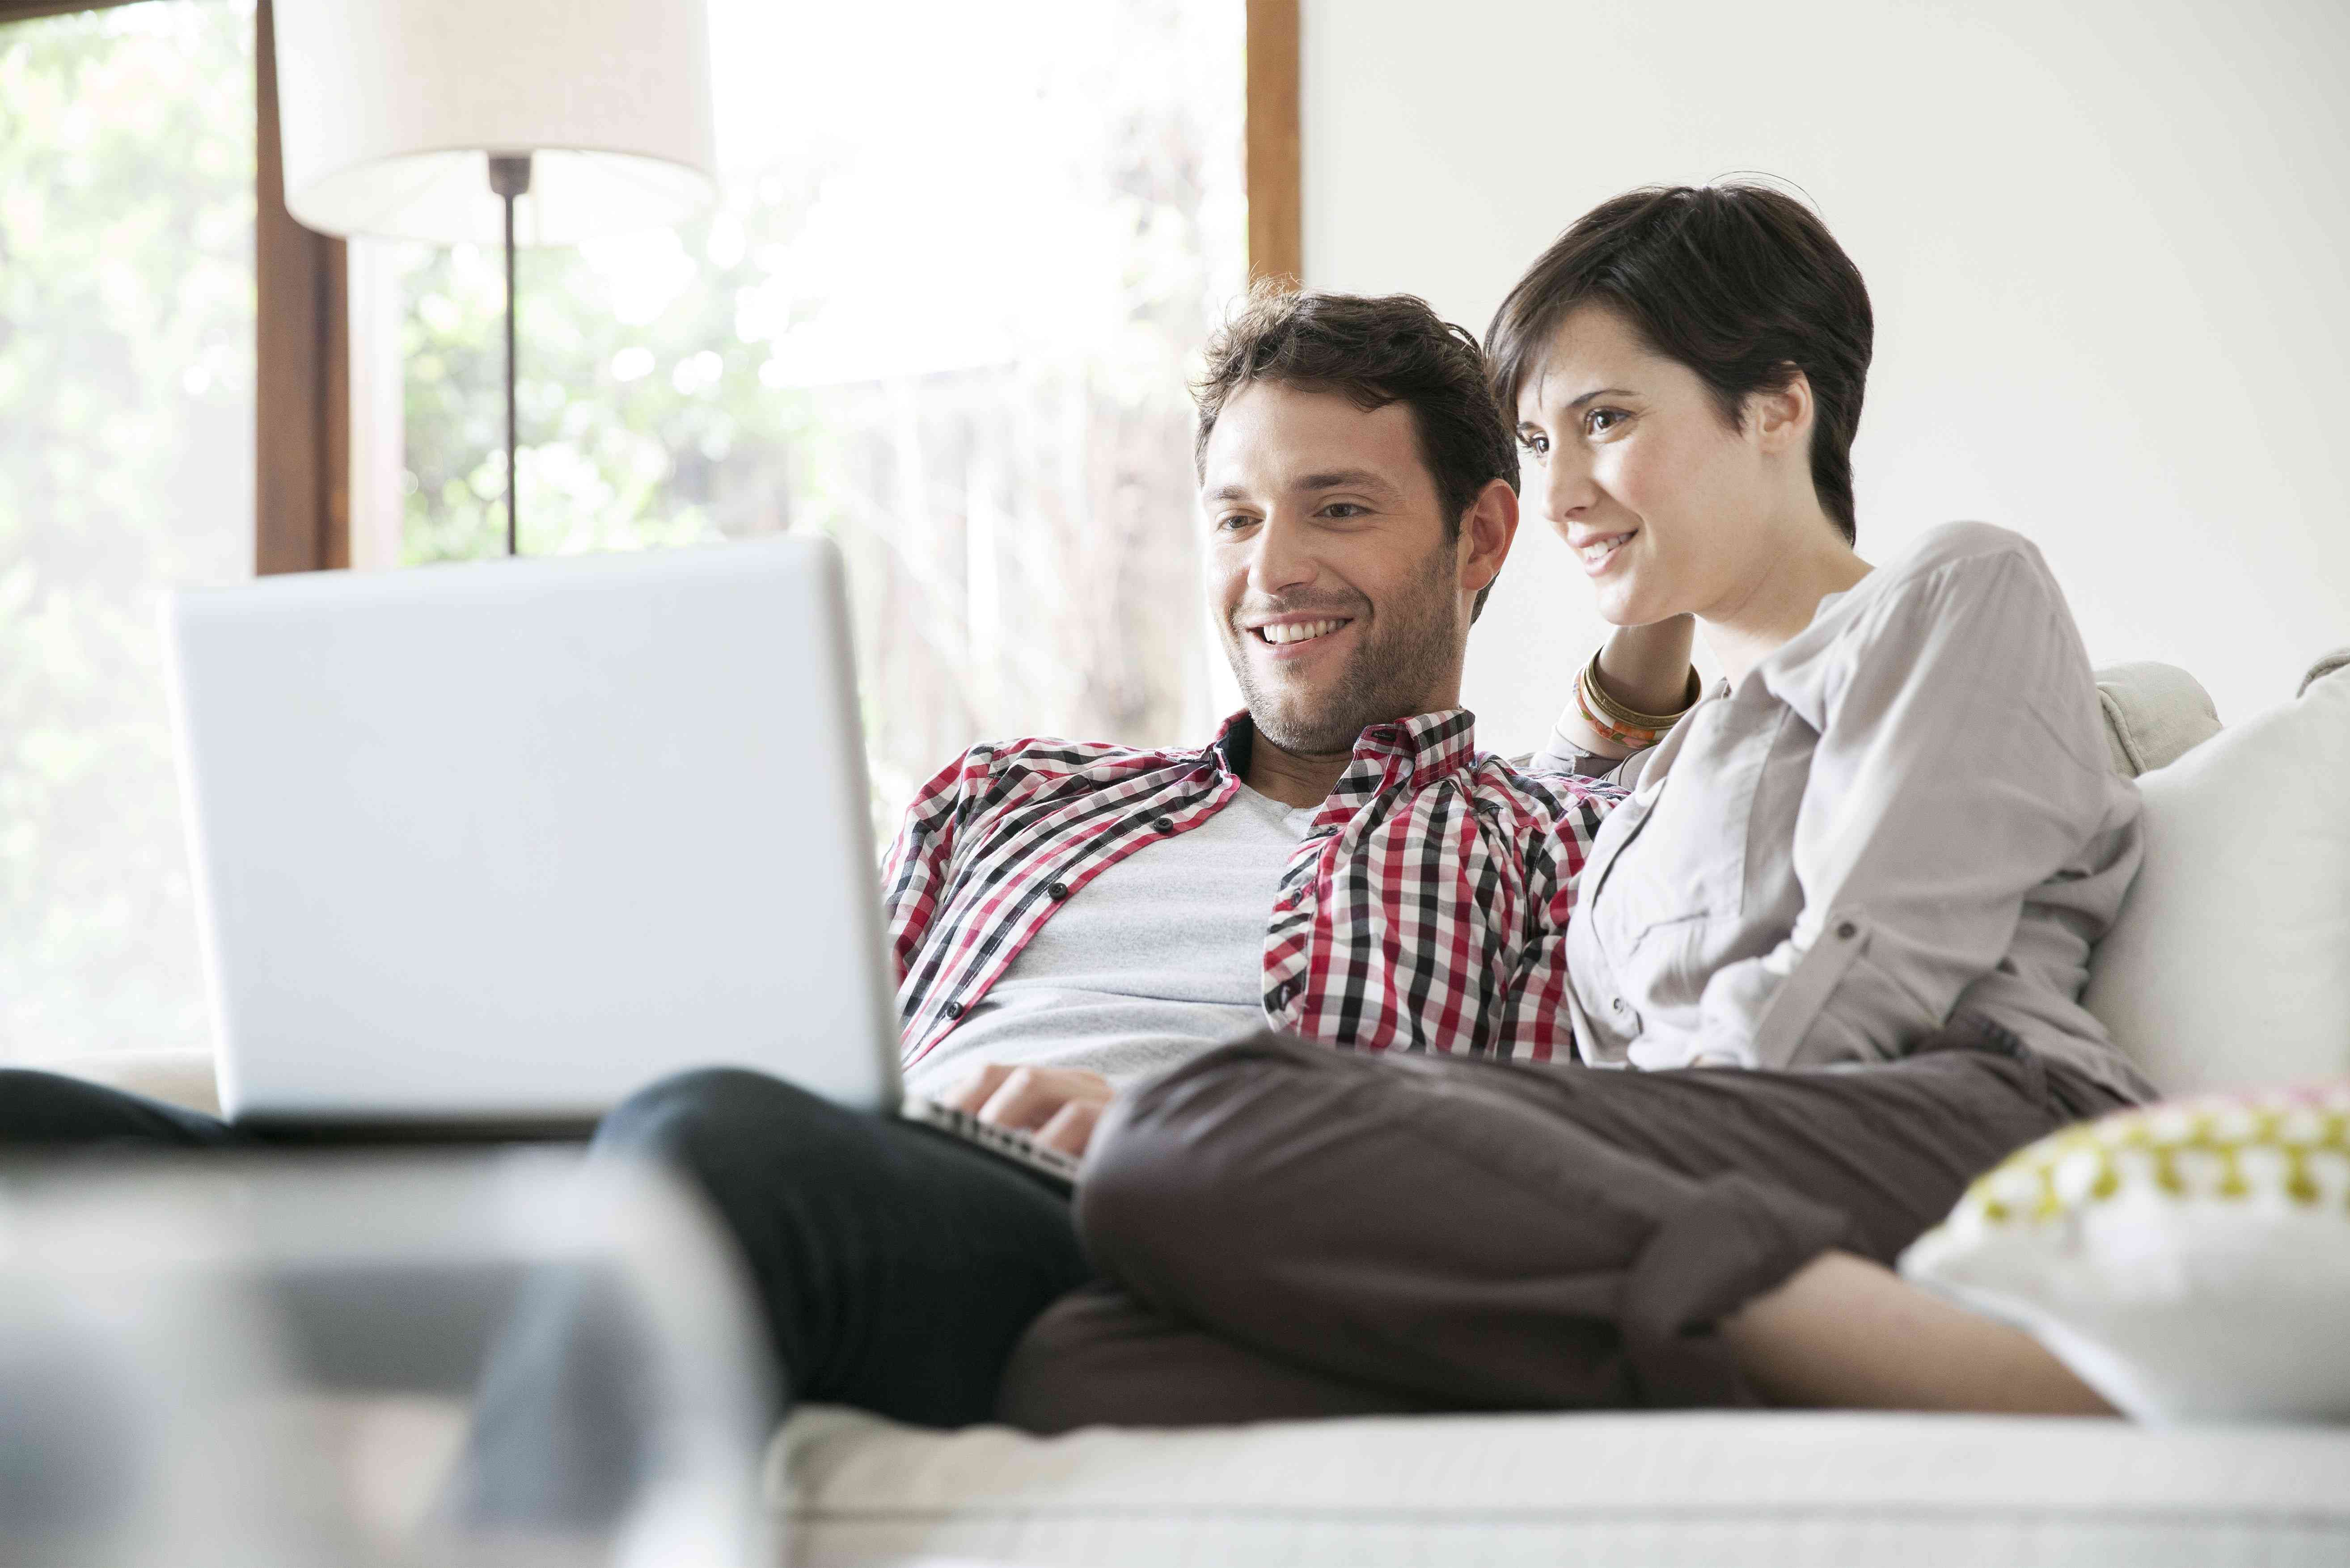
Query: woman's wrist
[[1605, 718], [1626, 728], [1644, 669]]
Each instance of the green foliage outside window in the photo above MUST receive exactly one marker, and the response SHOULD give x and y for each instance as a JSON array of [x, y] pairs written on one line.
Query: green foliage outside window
[[126, 464]]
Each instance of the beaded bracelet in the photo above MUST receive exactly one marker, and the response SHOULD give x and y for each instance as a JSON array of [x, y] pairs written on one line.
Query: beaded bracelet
[[1624, 726]]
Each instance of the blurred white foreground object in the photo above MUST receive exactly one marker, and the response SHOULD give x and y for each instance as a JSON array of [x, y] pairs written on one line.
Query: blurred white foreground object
[[265, 1362]]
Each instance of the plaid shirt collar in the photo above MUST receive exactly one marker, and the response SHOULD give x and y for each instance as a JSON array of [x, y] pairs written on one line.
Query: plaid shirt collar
[[1416, 750]]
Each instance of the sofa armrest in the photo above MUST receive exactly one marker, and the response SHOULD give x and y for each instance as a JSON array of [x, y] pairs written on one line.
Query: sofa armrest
[[2153, 715]]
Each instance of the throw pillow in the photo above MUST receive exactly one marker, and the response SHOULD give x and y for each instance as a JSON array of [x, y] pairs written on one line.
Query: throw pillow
[[2230, 962], [2188, 1260]]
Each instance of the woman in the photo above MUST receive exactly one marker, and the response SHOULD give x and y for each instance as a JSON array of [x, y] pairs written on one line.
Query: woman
[[1857, 881]]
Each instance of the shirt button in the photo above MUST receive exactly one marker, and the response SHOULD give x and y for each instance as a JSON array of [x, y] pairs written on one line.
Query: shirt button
[[1846, 932], [1164, 825], [1058, 890], [954, 1009], [1617, 1004]]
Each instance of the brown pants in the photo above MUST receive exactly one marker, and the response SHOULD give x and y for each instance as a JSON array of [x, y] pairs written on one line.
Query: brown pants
[[1288, 1231]]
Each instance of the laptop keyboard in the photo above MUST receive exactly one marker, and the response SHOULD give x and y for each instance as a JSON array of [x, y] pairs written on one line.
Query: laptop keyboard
[[1016, 1144]]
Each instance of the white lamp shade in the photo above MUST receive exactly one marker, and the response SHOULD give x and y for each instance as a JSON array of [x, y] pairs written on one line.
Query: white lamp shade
[[388, 111]]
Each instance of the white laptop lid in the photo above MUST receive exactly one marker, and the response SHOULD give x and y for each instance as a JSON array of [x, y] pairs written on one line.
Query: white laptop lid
[[512, 839]]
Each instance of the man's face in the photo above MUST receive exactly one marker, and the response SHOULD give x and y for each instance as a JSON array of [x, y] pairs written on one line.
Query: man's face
[[1340, 594]]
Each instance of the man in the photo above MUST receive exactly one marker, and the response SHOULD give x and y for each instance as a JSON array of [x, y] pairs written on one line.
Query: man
[[1341, 862]]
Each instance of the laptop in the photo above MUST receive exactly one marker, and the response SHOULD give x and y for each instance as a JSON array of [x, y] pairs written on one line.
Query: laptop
[[491, 846]]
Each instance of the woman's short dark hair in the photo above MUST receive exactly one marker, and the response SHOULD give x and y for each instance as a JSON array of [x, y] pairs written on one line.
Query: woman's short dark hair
[[1372, 351], [1741, 283]]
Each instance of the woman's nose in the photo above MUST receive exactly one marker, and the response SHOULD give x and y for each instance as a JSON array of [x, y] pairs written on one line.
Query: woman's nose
[[1568, 488]]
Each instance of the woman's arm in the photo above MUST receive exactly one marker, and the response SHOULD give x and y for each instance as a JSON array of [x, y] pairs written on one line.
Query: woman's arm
[[1636, 664], [1643, 668]]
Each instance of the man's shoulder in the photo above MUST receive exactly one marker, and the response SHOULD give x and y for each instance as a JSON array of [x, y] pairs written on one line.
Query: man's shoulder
[[1052, 757], [1555, 804]]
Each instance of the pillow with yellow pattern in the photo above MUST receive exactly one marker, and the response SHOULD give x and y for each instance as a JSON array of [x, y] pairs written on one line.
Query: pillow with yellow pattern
[[2189, 1259]]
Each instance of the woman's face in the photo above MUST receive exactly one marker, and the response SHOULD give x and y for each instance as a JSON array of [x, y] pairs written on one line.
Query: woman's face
[[1666, 507]]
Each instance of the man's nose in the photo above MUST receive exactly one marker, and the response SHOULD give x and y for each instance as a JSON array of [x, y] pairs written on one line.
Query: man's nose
[[1283, 561]]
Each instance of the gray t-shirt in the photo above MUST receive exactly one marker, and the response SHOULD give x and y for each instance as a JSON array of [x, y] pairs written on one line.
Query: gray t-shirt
[[1153, 961]]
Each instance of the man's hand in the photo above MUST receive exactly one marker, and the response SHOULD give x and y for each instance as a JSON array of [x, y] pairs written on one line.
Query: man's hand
[[1059, 1105]]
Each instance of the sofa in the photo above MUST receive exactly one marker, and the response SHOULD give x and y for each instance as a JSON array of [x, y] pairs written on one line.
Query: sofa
[[1708, 1487]]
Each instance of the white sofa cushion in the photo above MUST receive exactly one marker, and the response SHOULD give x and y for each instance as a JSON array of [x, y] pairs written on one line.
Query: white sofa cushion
[[1756, 1488], [2229, 963], [2189, 1259]]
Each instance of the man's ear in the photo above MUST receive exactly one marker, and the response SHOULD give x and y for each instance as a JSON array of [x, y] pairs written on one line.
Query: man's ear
[[1782, 418], [1487, 530]]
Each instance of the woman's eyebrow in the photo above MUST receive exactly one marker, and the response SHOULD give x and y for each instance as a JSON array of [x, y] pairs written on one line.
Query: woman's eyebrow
[[1603, 392]]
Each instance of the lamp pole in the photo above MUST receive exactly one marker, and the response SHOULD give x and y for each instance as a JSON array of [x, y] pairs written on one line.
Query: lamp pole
[[510, 178]]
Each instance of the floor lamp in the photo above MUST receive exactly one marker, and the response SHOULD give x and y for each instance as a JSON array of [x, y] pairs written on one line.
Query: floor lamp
[[532, 122]]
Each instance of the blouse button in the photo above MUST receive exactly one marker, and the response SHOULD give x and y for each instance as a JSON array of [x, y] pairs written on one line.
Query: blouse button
[[1164, 825], [954, 1009], [1057, 891], [1846, 932]]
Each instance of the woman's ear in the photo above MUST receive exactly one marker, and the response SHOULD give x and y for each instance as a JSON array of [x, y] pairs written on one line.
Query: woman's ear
[[1782, 416]]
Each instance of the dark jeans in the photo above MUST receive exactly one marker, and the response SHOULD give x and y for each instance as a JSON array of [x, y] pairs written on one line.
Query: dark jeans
[[41, 1112]]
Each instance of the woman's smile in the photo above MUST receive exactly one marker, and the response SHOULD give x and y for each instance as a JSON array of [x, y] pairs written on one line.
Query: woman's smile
[[1600, 552]]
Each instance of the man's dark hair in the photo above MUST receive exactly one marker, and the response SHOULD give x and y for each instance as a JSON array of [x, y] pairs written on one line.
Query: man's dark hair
[[1741, 283], [1373, 352]]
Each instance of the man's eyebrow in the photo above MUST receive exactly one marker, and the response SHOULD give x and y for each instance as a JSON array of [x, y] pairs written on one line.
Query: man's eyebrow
[[1345, 479], [1337, 479]]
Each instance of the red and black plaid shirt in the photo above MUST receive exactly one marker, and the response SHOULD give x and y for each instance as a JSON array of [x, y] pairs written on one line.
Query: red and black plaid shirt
[[1426, 909]]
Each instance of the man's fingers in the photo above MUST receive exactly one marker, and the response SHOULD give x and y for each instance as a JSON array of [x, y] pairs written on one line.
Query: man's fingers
[[1071, 1127], [976, 1090], [1025, 1098]]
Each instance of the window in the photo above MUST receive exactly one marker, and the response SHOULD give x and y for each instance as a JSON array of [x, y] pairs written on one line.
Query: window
[[126, 465], [944, 314]]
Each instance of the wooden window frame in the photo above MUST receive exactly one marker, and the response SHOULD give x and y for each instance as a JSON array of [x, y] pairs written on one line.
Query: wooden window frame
[[302, 360], [1276, 218], [302, 404]]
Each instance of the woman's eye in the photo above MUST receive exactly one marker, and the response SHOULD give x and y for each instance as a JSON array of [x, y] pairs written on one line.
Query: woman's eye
[[1599, 421], [1537, 444]]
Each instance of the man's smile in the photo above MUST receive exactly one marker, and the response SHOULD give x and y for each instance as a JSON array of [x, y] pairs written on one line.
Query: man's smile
[[1288, 638]]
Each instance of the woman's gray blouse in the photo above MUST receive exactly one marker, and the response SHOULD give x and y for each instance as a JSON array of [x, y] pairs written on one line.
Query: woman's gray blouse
[[1902, 817]]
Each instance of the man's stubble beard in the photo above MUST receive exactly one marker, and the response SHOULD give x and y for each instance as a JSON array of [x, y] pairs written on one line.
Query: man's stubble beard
[[1405, 653]]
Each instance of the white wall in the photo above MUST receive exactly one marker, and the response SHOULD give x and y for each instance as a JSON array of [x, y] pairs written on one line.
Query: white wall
[[2106, 245]]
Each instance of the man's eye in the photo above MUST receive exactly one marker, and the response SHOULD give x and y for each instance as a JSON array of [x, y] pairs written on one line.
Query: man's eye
[[1345, 509], [1232, 521], [1599, 421]]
